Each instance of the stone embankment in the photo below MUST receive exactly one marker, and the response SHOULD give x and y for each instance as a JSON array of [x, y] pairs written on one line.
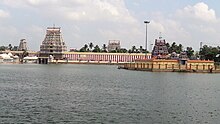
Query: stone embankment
[[192, 66]]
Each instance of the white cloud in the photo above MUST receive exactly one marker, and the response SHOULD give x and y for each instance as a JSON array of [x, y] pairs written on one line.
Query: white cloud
[[201, 21], [170, 29], [199, 11], [97, 10], [8, 34], [157, 26], [83, 21], [28, 3], [78, 10], [189, 26], [93, 17]]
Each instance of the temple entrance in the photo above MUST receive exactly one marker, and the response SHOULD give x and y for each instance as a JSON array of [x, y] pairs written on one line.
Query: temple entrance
[[43, 60], [183, 62]]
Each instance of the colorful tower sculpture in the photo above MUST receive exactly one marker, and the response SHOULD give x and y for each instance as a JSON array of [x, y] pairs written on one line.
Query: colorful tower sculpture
[[160, 49], [53, 44]]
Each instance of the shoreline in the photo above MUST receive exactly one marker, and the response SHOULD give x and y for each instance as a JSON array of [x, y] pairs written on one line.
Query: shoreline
[[89, 63], [121, 66], [171, 70]]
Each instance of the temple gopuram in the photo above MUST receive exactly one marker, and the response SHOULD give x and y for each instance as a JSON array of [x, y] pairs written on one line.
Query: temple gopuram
[[53, 46], [162, 61], [160, 49]]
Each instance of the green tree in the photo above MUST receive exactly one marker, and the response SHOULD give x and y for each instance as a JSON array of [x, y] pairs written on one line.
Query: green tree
[[189, 52], [141, 49], [209, 53], [168, 46], [179, 48], [84, 48], [104, 48], [91, 46], [2, 48], [133, 49], [113, 51], [174, 48], [9, 46], [96, 49], [15, 48], [123, 50]]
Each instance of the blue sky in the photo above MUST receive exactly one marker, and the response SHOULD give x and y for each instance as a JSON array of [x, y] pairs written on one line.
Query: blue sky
[[188, 22]]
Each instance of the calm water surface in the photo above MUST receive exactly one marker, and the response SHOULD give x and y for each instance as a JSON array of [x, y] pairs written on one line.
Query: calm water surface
[[84, 94]]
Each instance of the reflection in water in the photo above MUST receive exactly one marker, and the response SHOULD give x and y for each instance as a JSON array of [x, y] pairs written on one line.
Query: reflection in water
[[104, 94]]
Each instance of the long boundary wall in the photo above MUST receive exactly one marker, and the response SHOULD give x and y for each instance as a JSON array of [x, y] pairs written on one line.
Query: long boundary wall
[[105, 57]]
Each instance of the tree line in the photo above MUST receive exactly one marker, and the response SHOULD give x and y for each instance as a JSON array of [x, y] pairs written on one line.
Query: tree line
[[9, 47], [205, 53], [90, 47], [210, 53]]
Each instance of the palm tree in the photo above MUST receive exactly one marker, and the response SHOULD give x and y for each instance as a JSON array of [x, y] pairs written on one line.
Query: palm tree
[[91, 46], [10, 47], [180, 48], [84, 48], [133, 49], [96, 49], [141, 49], [189, 51], [104, 48], [2, 48]]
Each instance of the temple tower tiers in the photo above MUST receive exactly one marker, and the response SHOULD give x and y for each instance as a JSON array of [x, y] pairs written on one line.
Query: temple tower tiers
[[53, 44], [160, 48], [114, 45], [22, 45]]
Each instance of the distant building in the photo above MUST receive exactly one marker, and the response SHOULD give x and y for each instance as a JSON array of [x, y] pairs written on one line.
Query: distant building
[[53, 44], [114, 45], [73, 49], [160, 49], [22, 45], [105, 57]]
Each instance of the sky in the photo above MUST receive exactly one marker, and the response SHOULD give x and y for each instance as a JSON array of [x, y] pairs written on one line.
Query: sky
[[186, 22]]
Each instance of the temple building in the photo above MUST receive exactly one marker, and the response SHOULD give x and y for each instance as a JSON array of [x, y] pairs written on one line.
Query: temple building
[[114, 45], [160, 49], [162, 62], [22, 45], [52, 46]]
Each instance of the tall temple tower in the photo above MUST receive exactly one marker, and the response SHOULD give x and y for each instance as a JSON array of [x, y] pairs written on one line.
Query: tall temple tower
[[160, 49], [53, 44], [22, 45], [114, 45]]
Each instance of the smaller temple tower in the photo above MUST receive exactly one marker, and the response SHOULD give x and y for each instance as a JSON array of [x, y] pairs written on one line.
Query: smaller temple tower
[[114, 45], [160, 49], [22, 45], [52, 46]]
